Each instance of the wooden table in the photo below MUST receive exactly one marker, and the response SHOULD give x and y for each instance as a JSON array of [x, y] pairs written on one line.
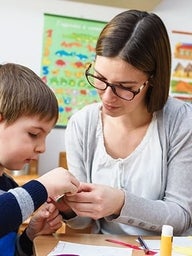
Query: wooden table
[[44, 244]]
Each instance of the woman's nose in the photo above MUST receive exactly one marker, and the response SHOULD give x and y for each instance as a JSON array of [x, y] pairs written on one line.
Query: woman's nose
[[109, 94]]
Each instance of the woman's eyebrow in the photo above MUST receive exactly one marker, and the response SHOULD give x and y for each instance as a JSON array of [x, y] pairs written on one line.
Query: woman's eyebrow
[[98, 72], [132, 82]]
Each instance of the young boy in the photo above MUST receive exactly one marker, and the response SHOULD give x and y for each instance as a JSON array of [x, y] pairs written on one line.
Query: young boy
[[28, 112]]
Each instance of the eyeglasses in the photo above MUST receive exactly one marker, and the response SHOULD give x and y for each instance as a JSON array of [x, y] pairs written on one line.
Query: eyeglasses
[[119, 90]]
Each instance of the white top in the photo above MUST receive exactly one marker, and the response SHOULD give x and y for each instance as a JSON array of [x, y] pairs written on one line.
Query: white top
[[130, 171], [156, 183]]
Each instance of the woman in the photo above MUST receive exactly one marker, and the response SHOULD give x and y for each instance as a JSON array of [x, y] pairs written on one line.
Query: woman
[[132, 151]]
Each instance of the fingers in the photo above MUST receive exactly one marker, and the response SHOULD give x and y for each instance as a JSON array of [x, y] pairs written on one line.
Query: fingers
[[60, 205], [74, 187], [56, 222], [53, 215], [47, 211], [50, 207], [59, 181], [72, 191], [86, 187], [75, 182]]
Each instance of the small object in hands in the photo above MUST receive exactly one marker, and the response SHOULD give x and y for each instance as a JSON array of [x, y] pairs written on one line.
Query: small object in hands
[[59, 198], [143, 245]]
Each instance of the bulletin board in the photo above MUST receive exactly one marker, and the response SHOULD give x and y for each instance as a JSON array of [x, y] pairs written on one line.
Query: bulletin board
[[68, 48], [181, 81]]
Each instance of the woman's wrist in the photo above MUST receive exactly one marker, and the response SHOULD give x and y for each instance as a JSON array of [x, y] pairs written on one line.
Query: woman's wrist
[[119, 205]]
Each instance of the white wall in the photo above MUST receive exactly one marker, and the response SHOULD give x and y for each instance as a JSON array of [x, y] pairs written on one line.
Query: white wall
[[176, 14], [21, 28]]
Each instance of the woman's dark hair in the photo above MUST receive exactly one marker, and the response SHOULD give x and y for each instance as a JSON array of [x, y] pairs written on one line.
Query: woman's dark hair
[[141, 39]]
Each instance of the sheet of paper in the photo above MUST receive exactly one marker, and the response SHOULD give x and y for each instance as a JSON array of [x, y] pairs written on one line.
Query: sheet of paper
[[182, 246], [88, 250]]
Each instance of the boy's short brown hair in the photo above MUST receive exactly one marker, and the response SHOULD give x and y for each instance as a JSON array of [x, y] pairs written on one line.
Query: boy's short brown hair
[[23, 93]]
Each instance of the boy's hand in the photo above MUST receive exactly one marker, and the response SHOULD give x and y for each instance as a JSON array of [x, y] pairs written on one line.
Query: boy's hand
[[59, 181], [46, 220]]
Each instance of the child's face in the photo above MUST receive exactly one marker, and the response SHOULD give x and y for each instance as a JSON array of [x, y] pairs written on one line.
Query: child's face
[[22, 141]]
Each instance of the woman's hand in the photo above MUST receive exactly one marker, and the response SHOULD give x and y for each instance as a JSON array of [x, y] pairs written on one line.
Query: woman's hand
[[95, 201]]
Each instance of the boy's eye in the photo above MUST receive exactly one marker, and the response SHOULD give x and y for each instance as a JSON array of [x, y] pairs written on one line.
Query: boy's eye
[[32, 134]]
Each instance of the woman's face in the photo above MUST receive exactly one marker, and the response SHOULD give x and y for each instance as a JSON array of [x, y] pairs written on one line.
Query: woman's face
[[118, 72]]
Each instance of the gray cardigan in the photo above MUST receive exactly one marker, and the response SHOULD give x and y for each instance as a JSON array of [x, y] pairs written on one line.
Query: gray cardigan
[[174, 206]]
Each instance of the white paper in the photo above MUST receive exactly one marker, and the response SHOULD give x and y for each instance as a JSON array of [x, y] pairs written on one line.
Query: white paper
[[182, 246], [88, 250]]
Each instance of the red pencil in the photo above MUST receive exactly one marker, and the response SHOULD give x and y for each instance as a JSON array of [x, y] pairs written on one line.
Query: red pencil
[[132, 246], [124, 244]]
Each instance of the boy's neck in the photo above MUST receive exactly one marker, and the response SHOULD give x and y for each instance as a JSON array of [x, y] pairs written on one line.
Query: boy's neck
[[1, 171]]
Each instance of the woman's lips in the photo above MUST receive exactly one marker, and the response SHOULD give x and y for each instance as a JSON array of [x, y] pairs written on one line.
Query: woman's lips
[[109, 107]]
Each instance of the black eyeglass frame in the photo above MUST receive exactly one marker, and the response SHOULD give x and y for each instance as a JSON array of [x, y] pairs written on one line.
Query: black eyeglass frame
[[113, 86]]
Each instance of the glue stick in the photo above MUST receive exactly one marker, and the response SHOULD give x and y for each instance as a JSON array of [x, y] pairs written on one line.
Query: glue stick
[[166, 241]]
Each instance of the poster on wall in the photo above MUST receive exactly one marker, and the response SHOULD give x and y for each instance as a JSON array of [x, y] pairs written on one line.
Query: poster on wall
[[181, 81], [68, 48]]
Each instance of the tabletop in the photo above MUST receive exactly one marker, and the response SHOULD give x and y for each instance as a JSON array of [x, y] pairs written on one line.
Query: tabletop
[[44, 244]]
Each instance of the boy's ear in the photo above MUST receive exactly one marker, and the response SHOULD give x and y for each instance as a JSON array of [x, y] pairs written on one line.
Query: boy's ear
[[1, 117]]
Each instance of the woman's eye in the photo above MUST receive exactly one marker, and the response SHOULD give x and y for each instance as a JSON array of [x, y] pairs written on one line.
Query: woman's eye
[[130, 88]]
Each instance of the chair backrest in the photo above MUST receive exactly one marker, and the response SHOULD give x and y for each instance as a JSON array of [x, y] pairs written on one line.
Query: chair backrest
[[63, 160]]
